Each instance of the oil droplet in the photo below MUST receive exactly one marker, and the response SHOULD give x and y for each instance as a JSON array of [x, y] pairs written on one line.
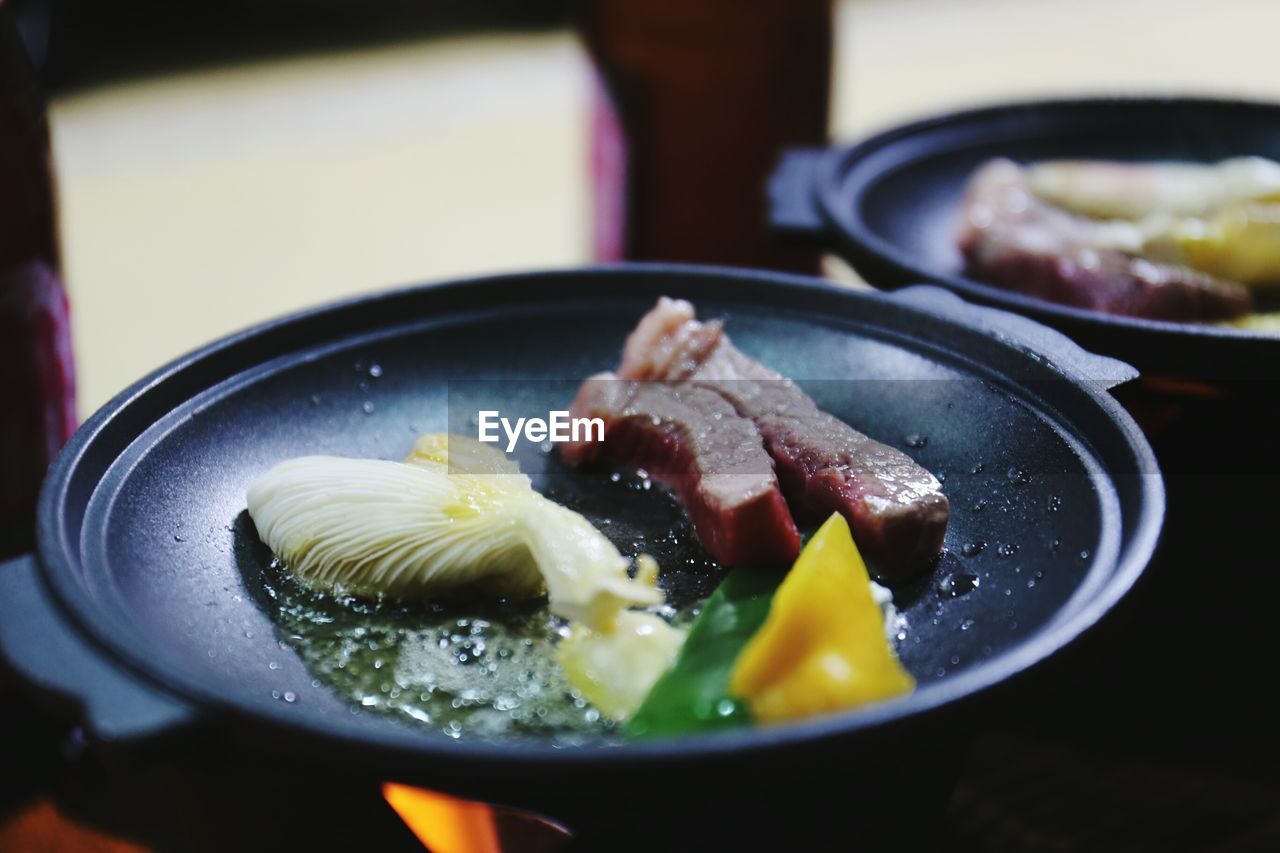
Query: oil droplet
[[973, 549], [367, 407], [1084, 555], [290, 696], [916, 440], [375, 370], [1054, 546], [958, 584], [967, 624]]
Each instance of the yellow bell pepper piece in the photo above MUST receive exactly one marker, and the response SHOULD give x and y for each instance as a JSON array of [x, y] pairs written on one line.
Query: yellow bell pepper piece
[[1240, 242], [1263, 322], [822, 647]]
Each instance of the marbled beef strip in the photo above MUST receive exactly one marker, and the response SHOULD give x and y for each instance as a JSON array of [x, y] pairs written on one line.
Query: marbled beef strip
[[895, 508], [691, 440], [1011, 238]]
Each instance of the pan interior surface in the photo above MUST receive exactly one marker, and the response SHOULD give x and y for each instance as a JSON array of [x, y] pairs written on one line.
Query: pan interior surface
[[176, 577]]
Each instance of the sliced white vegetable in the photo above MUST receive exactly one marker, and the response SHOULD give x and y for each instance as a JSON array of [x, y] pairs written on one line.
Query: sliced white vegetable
[[1105, 189], [615, 670], [429, 529]]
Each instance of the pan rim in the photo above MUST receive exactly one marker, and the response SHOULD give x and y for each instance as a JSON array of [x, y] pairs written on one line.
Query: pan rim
[[59, 556]]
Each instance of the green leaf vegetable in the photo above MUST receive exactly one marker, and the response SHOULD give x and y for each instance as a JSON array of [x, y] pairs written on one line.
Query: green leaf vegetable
[[693, 695]]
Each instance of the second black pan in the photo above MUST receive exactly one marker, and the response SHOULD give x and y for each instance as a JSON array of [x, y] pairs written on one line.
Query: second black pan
[[890, 206], [145, 605]]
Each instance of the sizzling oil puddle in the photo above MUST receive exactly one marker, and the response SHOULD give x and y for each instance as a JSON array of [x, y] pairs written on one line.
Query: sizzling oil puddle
[[483, 669]]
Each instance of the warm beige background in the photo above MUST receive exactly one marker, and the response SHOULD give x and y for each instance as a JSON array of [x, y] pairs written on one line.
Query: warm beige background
[[196, 204]]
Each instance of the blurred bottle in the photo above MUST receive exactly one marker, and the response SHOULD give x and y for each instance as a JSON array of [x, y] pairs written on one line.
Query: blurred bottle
[[699, 97], [37, 389]]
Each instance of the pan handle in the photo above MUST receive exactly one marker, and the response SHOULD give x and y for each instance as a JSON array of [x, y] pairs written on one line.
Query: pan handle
[[793, 199], [1065, 353], [55, 660]]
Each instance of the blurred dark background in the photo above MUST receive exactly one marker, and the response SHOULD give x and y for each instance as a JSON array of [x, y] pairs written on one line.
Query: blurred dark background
[[81, 43]]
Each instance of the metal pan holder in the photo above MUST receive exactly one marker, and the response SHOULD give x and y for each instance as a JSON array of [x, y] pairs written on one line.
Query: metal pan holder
[[794, 213], [1101, 371], [46, 652]]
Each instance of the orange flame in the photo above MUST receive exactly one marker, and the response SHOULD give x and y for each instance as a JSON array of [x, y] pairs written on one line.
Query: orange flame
[[442, 823]]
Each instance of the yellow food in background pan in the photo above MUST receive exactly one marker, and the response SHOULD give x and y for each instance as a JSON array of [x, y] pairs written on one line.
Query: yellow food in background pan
[[1221, 218]]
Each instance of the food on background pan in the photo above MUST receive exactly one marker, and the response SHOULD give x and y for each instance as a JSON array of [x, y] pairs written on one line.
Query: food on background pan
[[1012, 238], [1171, 241], [457, 522], [1265, 322], [1110, 190], [1222, 219], [738, 419]]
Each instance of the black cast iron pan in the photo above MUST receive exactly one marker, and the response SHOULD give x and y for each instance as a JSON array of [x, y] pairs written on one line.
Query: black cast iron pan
[[142, 604], [889, 205]]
